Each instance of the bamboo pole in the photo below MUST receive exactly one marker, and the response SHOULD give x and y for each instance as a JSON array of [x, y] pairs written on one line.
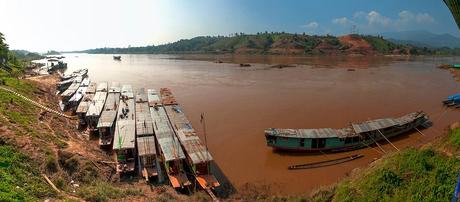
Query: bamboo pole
[[388, 140]]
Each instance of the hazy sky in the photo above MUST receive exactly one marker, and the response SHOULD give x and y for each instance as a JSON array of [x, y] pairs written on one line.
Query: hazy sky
[[41, 25]]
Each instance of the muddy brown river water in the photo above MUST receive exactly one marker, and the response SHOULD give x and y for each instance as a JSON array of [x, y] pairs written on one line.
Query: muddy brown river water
[[240, 102]]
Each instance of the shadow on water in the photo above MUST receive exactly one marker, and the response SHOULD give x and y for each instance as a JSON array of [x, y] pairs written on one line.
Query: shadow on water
[[226, 188]]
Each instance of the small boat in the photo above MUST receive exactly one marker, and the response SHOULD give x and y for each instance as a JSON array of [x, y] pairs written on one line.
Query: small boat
[[326, 163], [117, 57], [452, 100], [355, 136], [245, 65]]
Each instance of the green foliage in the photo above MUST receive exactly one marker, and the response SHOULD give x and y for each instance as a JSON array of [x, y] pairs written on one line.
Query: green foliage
[[412, 175], [103, 191], [454, 138], [20, 179]]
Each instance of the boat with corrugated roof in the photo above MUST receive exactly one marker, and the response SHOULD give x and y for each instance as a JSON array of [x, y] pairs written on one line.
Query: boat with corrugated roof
[[124, 140], [198, 157], [355, 136], [106, 123], [169, 148]]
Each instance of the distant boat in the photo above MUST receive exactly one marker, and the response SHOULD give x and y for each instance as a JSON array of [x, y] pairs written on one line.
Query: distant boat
[[117, 57], [355, 136]]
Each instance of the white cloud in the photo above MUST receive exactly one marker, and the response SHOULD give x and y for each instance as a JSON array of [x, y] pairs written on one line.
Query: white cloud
[[375, 18], [342, 21], [312, 25], [424, 18]]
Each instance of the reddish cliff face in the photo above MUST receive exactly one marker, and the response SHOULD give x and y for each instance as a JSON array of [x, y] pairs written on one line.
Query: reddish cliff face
[[357, 45]]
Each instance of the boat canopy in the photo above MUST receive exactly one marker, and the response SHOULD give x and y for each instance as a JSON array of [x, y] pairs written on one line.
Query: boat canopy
[[146, 146], [311, 133]]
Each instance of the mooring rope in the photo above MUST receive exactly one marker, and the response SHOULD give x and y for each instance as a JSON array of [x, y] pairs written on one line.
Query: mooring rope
[[36, 103]]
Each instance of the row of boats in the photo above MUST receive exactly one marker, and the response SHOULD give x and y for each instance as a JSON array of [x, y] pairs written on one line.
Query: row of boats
[[147, 130]]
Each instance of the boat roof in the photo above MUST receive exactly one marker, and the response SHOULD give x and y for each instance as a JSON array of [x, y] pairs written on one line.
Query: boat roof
[[146, 145], [127, 90], [141, 96], [84, 104], [97, 104], [167, 97], [311, 133], [167, 141], [153, 97], [109, 114], [189, 139], [85, 82], [144, 123], [115, 87], [71, 89], [102, 87], [91, 88], [79, 94], [125, 128], [378, 124]]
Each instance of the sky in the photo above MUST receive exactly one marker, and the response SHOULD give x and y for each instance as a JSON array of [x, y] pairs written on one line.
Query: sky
[[65, 25]]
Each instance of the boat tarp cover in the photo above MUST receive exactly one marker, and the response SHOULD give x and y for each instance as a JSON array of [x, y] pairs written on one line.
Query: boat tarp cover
[[109, 114], [311, 133]]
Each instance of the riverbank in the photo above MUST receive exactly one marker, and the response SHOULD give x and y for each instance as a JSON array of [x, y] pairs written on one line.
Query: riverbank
[[36, 143]]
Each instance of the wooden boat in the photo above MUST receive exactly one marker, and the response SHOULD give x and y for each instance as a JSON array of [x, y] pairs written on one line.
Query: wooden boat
[[117, 57], [355, 136], [124, 141], [146, 144], [74, 101], [96, 106], [84, 104], [326, 163], [171, 153], [198, 157], [106, 123]]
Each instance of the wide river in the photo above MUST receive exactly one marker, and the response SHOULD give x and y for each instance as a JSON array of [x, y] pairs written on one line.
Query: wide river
[[240, 102]]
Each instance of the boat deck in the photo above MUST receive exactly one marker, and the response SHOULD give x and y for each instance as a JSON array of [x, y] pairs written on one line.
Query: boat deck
[[125, 128]]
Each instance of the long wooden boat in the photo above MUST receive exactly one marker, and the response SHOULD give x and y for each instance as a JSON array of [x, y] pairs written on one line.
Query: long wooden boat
[[146, 144], [84, 104], [124, 142], [74, 101], [169, 148], [106, 123], [96, 106], [198, 157], [355, 136]]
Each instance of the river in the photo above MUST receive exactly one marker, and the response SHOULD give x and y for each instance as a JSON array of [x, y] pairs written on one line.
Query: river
[[240, 102]]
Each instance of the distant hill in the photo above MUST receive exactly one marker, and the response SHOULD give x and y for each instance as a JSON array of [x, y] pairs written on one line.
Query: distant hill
[[423, 39], [276, 43], [26, 55]]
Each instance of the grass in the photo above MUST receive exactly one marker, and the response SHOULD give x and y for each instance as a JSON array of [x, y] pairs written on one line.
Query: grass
[[454, 138], [411, 175], [19, 178], [103, 191]]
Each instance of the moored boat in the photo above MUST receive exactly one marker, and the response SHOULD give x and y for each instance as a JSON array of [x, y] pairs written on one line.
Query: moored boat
[[84, 104], [96, 106], [124, 141], [146, 144], [106, 123], [198, 157], [355, 136], [171, 152]]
